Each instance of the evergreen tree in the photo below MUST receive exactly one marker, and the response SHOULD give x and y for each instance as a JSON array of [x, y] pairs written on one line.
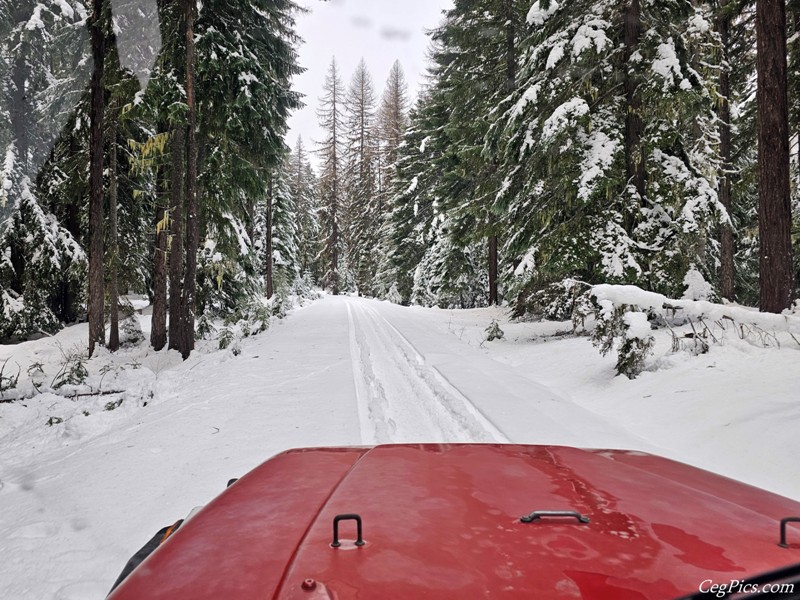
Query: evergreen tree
[[277, 236], [601, 185], [392, 126], [302, 187], [42, 71], [413, 216]]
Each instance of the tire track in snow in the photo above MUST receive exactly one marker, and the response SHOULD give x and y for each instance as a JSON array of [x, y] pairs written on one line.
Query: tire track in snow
[[367, 432], [461, 400], [407, 399]]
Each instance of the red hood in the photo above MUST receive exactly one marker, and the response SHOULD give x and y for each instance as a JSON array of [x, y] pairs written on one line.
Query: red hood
[[443, 521]]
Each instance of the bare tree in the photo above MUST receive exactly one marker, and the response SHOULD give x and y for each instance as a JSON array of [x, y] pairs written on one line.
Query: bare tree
[[392, 124], [330, 115], [360, 177]]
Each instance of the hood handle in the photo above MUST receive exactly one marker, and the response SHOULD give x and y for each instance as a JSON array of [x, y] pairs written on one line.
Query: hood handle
[[541, 514], [784, 522], [346, 517]]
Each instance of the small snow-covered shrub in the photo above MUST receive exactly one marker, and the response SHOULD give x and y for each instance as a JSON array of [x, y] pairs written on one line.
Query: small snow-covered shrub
[[226, 338], [626, 330], [7, 381], [558, 301], [394, 296], [697, 288], [130, 330], [73, 370], [205, 328], [493, 331]]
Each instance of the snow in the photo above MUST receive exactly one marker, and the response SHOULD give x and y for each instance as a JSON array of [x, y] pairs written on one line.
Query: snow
[[590, 35], [530, 95], [35, 22], [81, 495], [599, 157], [697, 288], [66, 9], [630, 295], [562, 116], [638, 326], [668, 67], [538, 16], [556, 54]]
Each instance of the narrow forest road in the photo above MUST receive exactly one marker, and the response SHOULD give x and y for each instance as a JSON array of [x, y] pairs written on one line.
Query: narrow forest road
[[77, 501]]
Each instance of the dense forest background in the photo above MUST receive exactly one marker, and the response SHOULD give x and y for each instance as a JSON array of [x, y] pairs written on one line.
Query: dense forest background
[[555, 145]]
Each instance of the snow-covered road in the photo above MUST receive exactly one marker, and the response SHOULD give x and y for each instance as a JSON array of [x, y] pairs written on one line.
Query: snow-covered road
[[79, 497]]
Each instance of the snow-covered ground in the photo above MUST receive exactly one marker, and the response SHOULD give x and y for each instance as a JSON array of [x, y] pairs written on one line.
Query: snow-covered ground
[[85, 481]]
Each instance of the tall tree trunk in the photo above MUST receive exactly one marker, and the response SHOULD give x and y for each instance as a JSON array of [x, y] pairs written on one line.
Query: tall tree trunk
[[176, 238], [192, 208], [727, 273], [634, 161], [268, 263], [774, 212], [113, 284], [158, 331], [20, 105], [493, 296], [97, 334], [510, 84]]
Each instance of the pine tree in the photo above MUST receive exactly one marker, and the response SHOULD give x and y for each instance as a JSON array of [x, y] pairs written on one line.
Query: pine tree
[[38, 256], [413, 217], [471, 56], [611, 186], [276, 237], [302, 187], [392, 126], [331, 116]]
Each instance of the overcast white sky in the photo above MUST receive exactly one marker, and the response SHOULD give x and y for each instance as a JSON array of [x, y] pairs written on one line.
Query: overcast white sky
[[380, 31]]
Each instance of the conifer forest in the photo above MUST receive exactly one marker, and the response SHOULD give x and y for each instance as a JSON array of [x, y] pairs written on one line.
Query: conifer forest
[[643, 142]]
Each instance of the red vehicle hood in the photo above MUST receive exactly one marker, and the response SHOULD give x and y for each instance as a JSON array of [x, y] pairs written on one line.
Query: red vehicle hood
[[443, 521]]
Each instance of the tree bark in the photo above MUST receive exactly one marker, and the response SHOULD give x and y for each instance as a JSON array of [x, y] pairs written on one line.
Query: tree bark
[[97, 332], [158, 331], [634, 161], [192, 208], [113, 284], [493, 296], [774, 214], [727, 272], [176, 238], [20, 106], [268, 263], [510, 84]]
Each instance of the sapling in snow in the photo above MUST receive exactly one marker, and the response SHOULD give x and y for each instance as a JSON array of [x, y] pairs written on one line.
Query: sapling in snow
[[493, 331]]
